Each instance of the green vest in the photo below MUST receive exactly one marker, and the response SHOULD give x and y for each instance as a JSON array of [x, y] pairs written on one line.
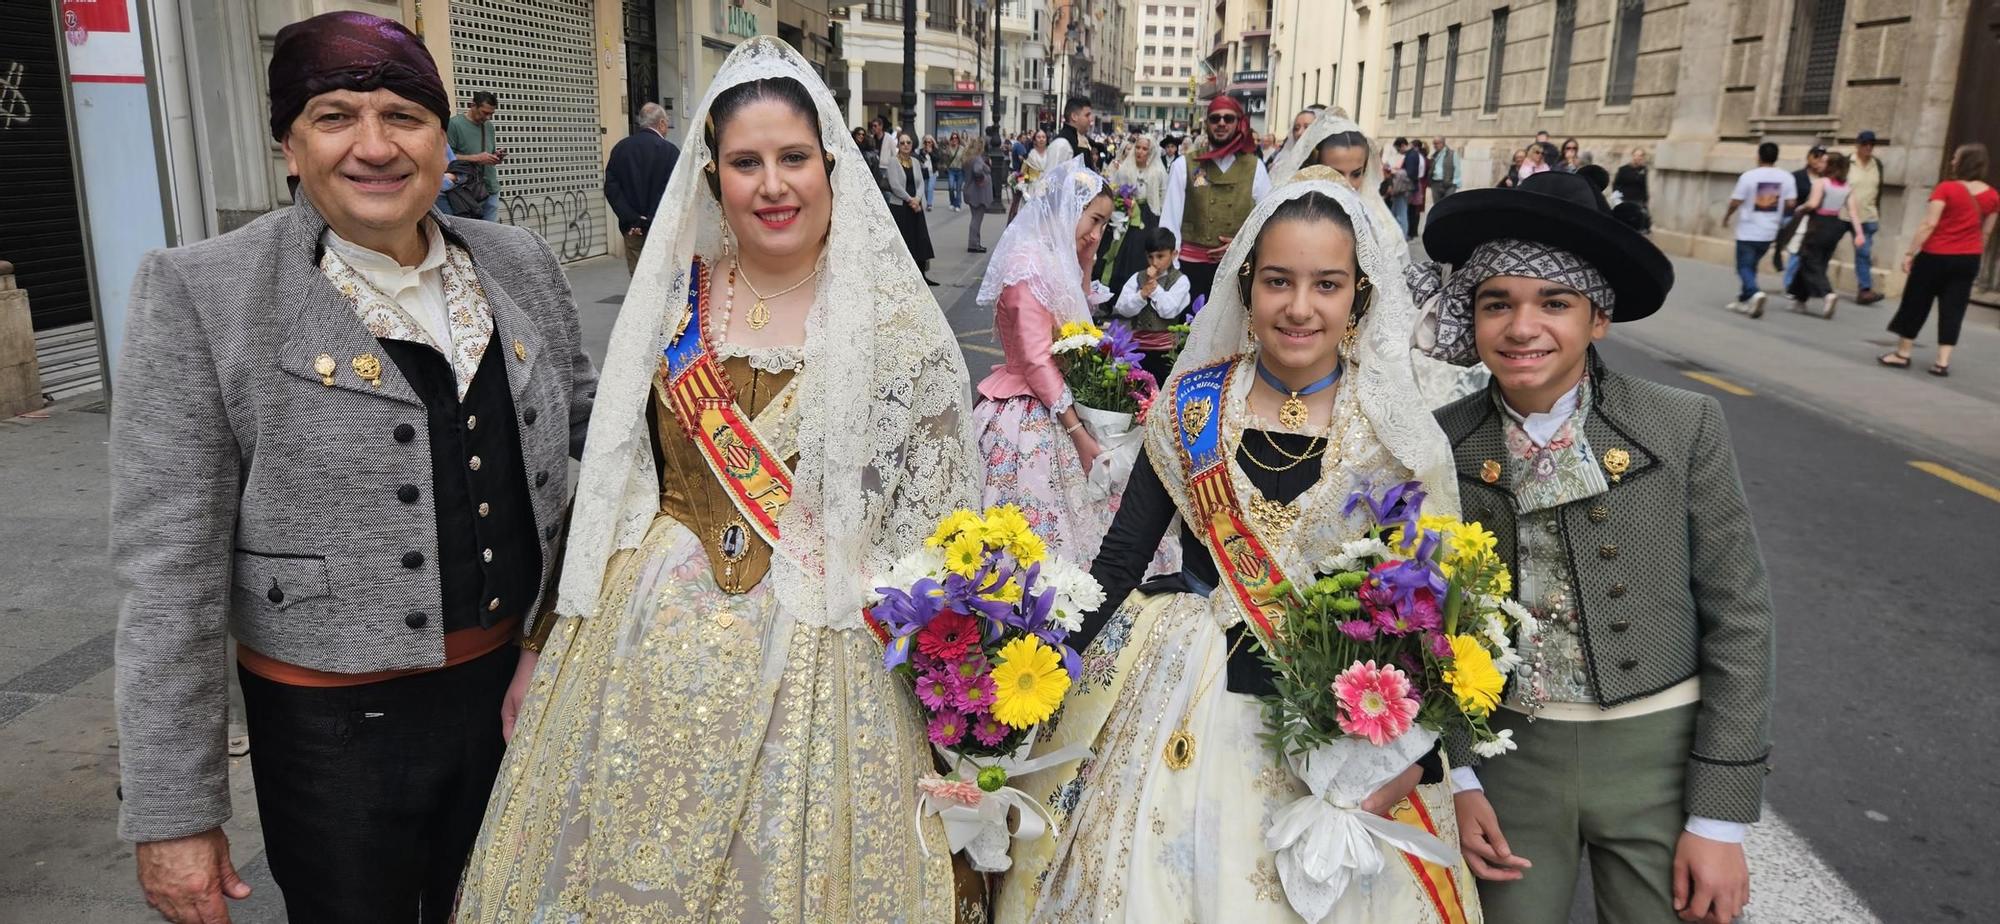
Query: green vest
[[1218, 200], [1148, 320]]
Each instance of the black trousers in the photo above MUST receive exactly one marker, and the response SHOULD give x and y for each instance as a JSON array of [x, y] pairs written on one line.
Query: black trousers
[[1823, 235], [1945, 278], [371, 795], [1200, 277]]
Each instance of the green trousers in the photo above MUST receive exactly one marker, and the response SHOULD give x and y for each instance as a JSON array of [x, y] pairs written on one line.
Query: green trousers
[[1612, 789]]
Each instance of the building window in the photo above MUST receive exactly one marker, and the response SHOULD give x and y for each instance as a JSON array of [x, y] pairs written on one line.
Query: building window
[[1450, 70], [1146, 90], [1185, 72], [1395, 76], [1810, 56], [1560, 40], [1302, 80], [1187, 11], [1496, 61], [1152, 30], [1625, 51], [1360, 78], [1187, 32], [1150, 71], [1333, 86], [1153, 9], [1417, 92]]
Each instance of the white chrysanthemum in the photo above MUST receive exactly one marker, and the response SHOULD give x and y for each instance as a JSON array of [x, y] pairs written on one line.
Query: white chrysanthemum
[[1501, 744], [1076, 592], [1066, 344], [1524, 622], [922, 563], [1354, 555], [1505, 658]]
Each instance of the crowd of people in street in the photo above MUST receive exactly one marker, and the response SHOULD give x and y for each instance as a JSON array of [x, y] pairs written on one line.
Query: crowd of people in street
[[476, 695]]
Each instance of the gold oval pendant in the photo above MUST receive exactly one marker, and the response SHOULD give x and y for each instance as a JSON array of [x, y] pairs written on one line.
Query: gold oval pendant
[[1179, 753]]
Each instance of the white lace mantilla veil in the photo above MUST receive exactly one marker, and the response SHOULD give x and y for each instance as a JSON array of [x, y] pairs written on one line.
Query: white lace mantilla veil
[[1039, 246], [1380, 375], [884, 433], [1389, 236]]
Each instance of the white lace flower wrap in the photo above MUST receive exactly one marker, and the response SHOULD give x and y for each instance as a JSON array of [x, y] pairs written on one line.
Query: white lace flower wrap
[[1039, 246], [884, 434], [1325, 842]]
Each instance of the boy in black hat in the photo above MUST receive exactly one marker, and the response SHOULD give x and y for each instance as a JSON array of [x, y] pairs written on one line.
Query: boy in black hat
[[1642, 715]]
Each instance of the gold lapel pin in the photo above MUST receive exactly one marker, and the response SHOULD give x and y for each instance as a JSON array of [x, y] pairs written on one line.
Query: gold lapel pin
[[323, 365], [520, 351], [369, 369], [1489, 471], [1616, 463]]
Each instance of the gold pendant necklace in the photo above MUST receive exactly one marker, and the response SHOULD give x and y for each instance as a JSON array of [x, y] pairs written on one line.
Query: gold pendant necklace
[[1179, 752], [760, 313], [1292, 414]]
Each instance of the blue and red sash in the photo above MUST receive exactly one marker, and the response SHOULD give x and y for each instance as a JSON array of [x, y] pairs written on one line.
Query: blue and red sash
[[704, 401], [1245, 564]]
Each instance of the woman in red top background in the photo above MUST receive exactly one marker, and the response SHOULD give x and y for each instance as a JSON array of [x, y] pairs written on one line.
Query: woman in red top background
[[1943, 258]]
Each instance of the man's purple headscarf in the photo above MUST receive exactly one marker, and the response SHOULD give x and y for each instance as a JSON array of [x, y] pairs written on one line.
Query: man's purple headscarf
[[350, 51]]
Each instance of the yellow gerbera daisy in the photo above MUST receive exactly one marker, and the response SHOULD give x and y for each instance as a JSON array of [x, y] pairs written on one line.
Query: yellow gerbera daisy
[[1029, 683], [965, 555], [1473, 678]]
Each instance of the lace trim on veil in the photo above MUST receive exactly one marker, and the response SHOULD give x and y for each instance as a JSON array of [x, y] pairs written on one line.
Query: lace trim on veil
[[884, 401]]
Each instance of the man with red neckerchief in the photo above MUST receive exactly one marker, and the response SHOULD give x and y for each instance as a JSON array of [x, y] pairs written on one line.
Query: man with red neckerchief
[[1211, 192]]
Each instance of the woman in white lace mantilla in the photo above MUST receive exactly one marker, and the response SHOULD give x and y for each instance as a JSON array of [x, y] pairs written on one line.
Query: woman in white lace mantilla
[[710, 734], [1304, 349], [1037, 449]]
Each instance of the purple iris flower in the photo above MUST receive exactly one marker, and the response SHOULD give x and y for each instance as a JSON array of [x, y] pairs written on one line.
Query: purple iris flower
[[1200, 302], [905, 613], [1398, 506], [1118, 345], [1127, 190]]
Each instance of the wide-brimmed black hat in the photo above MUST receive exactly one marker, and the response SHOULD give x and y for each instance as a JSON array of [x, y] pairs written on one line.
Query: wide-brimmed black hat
[[1561, 210]]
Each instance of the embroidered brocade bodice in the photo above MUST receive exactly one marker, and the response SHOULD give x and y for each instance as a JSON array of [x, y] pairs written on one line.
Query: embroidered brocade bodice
[[689, 492]]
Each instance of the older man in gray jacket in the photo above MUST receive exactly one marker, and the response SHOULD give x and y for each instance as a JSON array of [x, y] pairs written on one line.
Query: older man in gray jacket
[[340, 436]]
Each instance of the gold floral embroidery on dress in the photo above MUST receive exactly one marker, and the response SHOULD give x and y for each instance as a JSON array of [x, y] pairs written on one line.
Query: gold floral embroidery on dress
[[690, 755], [1265, 881], [470, 317]]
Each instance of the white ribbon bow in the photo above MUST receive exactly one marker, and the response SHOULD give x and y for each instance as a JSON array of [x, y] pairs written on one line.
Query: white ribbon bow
[[984, 831], [1118, 442], [1325, 842]]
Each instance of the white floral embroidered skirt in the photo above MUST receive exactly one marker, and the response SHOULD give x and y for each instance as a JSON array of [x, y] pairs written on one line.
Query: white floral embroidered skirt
[[1148, 843], [687, 755], [1032, 463]]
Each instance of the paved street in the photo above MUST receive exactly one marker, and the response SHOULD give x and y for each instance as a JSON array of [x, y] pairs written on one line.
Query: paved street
[[1873, 496]]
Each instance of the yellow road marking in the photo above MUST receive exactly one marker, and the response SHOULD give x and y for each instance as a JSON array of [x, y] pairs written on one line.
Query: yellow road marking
[[975, 333], [1961, 479], [1720, 384], [976, 348]]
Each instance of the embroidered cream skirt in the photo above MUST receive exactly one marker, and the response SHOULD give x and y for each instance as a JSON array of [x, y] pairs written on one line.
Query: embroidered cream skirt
[[1142, 842], [687, 755]]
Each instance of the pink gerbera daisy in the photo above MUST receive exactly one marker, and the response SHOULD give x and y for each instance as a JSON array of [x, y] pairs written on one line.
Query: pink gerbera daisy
[[936, 689], [947, 729], [1375, 702]]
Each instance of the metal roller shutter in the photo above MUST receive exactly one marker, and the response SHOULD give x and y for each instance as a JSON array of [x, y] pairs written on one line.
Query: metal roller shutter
[[41, 232], [537, 55]]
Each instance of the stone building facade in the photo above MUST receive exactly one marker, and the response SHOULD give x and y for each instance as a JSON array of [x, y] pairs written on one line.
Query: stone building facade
[[1697, 83]]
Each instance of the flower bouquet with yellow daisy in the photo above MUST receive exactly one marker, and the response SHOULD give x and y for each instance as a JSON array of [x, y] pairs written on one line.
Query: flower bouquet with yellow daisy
[[978, 621], [1401, 637]]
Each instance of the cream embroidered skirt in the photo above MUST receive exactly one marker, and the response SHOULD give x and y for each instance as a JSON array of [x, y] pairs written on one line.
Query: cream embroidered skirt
[[1142, 842], [687, 755]]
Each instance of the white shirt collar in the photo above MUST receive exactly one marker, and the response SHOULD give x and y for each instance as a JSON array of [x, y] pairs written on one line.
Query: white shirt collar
[[379, 267], [1542, 427]]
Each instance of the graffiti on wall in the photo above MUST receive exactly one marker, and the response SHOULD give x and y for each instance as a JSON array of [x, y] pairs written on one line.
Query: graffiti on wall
[[13, 103], [562, 218]]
